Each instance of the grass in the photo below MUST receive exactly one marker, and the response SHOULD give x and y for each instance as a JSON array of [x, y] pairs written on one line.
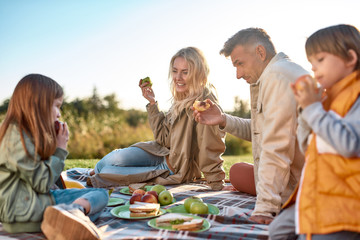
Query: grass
[[90, 163]]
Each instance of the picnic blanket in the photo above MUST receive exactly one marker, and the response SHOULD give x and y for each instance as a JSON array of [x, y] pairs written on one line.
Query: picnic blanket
[[231, 223]]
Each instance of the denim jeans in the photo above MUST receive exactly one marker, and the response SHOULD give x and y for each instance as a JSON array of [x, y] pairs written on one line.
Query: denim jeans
[[97, 197], [131, 160]]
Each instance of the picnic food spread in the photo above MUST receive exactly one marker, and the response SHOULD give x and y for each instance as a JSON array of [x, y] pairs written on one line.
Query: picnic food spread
[[179, 221], [157, 194], [201, 105], [141, 209]]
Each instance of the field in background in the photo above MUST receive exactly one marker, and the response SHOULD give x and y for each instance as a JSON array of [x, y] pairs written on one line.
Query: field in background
[[90, 163]]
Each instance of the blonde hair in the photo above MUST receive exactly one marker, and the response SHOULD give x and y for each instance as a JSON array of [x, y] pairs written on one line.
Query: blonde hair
[[30, 108], [337, 40], [197, 81]]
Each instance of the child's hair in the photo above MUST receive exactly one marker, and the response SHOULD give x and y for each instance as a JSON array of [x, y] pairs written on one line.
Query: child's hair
[[30, 108], [337, 40]]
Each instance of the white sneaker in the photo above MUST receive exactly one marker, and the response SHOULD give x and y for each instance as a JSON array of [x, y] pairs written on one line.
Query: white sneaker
[[66, 222]]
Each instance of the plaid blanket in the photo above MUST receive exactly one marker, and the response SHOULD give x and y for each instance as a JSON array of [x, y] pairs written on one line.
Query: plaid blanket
[[231, 223]]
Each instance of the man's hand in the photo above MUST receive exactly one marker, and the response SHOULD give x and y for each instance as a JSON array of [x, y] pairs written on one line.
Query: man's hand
[[212, 116], [261, 219]]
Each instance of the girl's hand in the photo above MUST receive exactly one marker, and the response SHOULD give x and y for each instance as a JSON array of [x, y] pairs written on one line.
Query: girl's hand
[[147, 92], [307, 95], [62, 137], [211, 116]]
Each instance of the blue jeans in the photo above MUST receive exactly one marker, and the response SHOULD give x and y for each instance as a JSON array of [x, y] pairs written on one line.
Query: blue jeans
[[97, 197], [131, 160]]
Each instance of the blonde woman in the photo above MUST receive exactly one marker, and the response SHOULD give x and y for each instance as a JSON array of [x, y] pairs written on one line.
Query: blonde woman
[[182, 148]]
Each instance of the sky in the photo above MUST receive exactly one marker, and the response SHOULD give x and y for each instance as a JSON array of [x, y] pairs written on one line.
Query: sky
[[111, 44]]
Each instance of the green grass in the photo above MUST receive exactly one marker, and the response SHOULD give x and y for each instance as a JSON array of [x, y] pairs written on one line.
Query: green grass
[[90, 163]]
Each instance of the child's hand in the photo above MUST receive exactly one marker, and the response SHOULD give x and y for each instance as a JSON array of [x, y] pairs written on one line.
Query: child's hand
[[63, 136], [307, 94]]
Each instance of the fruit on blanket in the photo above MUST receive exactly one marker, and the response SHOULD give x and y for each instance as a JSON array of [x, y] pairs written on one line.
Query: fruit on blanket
[[165, 197], [153, 193], [199, 208], [149, 198], [189, 201], [147, 79], [158, 188], [139, 191], [299, 83], [135, 198], [201, 106]]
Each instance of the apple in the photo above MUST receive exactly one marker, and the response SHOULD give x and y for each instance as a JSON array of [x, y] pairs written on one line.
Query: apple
[[201, 106], [189, 201], [199, 208], [57, 126], [158, 188], [149, 198], [139, 191], [165, 197], [299, 83], [135, 197], [153, 193], [147, 79]]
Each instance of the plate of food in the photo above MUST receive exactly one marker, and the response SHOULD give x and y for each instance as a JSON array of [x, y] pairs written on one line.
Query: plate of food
[[173, 201], [115, 201], [181, 209], [180, 222], [138, 210], [132, 187]]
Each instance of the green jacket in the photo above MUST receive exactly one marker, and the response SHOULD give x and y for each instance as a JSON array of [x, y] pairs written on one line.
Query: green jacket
[[25, 183]]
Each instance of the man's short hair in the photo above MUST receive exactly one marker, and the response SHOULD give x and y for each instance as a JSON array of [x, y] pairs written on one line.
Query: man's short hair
[[249, 36]]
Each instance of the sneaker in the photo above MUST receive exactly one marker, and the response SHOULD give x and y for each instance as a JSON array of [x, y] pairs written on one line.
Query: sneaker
[[68, 222]]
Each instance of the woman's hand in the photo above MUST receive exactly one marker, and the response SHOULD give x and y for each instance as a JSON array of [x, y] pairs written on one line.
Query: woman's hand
[[62, 137], [307, 95], [212, 116], [147, 92]]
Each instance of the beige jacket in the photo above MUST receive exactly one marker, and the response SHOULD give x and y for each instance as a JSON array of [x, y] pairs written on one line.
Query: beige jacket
[[272, 131], [191, 149]]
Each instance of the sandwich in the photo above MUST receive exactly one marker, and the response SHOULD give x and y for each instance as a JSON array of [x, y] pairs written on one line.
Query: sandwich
[[201, 106], [134, 186], [179, 221], [143, 209]]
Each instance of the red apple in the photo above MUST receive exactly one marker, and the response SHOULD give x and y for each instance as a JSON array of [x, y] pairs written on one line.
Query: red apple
[[149, 198], [57, 126], [299, 85], [135, 197], [139, 191], [153, 193]]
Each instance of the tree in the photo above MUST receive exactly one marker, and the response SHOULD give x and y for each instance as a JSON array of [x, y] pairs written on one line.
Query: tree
[[241, 108], [4, 106]]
